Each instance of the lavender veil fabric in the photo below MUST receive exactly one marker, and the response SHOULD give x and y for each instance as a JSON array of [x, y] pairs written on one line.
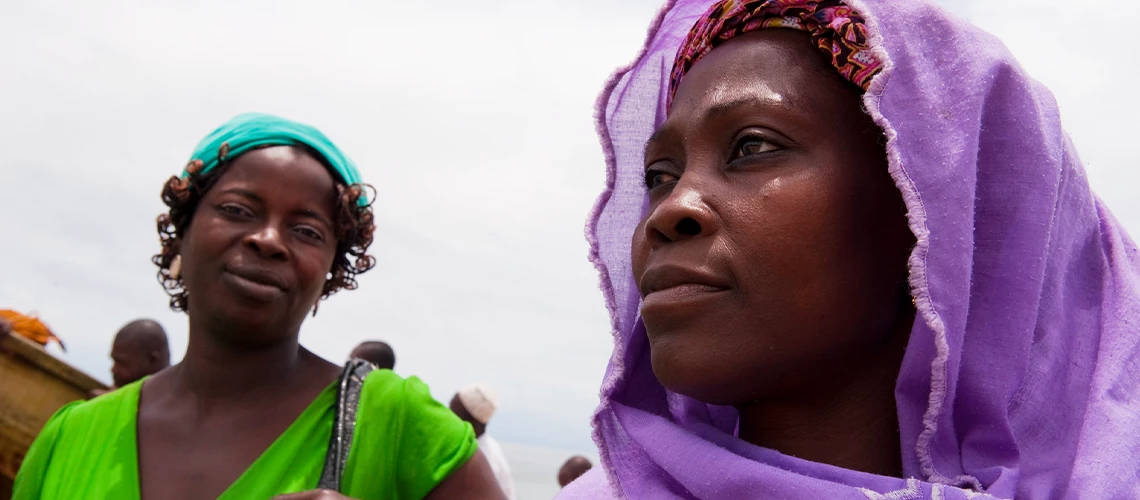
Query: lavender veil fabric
[[1022, 376]]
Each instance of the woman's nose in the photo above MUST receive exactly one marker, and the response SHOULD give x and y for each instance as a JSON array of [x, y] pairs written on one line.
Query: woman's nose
[[683, 215]]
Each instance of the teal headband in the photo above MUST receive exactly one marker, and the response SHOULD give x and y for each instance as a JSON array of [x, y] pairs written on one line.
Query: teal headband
[[251, 130]]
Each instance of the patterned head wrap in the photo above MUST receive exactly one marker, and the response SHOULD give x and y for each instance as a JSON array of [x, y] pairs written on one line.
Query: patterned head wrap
[[838, 30]]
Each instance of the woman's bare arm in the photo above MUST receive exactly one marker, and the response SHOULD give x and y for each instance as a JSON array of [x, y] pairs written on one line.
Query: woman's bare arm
[[472, 481]]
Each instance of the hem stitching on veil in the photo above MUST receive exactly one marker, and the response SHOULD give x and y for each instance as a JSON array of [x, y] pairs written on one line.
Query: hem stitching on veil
[[919, 284], [606, 284]]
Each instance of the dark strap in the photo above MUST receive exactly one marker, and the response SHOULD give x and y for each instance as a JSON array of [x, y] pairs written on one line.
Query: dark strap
[[347, 400]]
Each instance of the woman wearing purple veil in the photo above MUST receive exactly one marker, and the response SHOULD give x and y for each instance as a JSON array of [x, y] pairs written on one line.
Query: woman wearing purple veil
[[849, 252]]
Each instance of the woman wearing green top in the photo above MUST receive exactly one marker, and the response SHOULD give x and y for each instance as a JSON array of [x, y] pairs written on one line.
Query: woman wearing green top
[[268, 218]]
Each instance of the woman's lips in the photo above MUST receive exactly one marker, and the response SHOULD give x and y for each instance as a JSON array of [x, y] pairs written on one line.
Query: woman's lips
[[670, 286], [682, 294], [253, 289]]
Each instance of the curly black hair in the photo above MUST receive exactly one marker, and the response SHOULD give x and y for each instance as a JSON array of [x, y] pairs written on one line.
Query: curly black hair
[[354, 227]]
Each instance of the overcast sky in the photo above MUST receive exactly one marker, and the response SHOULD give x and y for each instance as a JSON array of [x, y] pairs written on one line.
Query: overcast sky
[[472, 120]]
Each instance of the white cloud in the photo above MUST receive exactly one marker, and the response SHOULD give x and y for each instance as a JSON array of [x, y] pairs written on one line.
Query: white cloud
[[474, 122]]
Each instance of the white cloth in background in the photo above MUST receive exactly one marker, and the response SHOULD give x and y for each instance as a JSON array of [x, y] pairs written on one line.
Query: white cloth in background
[[480, 401], [499, 464]]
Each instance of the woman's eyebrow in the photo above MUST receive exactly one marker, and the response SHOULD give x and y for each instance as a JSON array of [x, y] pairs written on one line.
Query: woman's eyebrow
[[244, 193], [720, 108], [662, 133]]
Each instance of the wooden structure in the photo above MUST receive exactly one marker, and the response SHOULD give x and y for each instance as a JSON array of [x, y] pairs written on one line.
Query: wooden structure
[[33, 385]]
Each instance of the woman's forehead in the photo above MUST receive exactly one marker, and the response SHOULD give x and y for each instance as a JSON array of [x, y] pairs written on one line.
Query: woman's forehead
[[775, 70], [279, 172]]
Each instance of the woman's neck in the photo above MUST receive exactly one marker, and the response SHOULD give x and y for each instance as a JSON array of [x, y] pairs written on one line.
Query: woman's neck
[[214, 369], [853, 425]]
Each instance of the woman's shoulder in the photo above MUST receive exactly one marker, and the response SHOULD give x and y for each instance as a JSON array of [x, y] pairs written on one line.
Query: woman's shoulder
[[100, 411], [402, 411], [396, 409], [405, 440], [74, 442], [388, 390]]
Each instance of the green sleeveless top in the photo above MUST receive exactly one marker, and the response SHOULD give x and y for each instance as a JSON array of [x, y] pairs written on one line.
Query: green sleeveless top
[[405, 443]]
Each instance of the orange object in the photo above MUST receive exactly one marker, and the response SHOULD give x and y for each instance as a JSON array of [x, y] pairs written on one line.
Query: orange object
[[30, 328]]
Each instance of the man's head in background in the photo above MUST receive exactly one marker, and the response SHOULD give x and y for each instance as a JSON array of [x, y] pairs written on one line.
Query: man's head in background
[[573, 469], [376, 352], [475, 404], [140, 349]]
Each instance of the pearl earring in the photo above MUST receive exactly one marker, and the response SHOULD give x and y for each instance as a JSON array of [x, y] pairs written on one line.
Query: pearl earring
[[176, 267]]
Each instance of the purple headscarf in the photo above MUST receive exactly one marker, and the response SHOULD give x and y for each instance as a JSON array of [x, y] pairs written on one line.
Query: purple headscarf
[[1022, 375]]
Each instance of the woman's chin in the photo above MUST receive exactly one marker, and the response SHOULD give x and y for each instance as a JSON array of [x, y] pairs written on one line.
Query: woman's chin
[[252, 326], [709, 379]]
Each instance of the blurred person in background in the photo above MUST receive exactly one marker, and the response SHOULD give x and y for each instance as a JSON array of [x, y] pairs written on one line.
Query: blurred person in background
[[476, 404], [573, 469], [140, 349], [380, 354]]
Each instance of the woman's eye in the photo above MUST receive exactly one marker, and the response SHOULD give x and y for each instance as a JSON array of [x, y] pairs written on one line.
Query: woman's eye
[[231, 209], [654, 178], [750, 146], [310, 233]]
